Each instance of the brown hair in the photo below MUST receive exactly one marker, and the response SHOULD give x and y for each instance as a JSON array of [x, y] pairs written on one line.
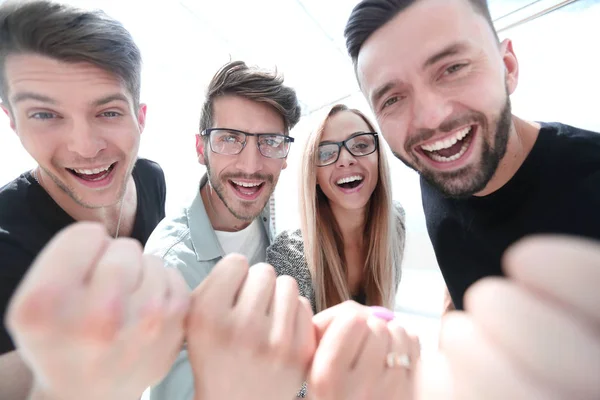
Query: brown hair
[[68, 34], [236, 78], [323, 243]]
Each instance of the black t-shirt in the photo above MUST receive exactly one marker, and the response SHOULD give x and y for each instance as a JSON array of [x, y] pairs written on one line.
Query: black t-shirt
[[556, 190], [29, 218]]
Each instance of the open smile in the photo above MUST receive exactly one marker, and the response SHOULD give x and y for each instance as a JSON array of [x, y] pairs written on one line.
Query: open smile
[[97, 177], [452, 150], [246, 190], [350, 184]]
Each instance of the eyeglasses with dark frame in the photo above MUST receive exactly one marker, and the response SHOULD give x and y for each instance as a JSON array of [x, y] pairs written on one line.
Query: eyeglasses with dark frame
[[359, 145], [232, 141]]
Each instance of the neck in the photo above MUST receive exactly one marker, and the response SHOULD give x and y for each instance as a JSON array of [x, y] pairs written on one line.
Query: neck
[[522, 137], [219, 215], [351, 224], [109, 216]]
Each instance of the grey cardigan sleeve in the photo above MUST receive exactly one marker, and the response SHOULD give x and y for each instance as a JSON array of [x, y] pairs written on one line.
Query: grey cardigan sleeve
[[286, 255], [400, 217]]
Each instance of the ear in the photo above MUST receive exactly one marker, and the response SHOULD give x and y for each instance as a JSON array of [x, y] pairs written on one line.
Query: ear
[[142, 117], [200, 149], [13, 126], [511, 65]]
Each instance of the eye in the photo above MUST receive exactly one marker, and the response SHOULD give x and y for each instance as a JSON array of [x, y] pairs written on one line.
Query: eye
[[272, 141], [111, 114], [43, 115], [453, 69], [390, 101], [230, 138]]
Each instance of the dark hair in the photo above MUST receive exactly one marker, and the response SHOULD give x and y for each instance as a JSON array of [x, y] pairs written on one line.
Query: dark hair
[[370, 15], [68, 34], [236, 78]]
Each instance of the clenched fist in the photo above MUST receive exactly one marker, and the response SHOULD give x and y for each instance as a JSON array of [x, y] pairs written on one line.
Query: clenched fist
[[96, 319], [250, 334]]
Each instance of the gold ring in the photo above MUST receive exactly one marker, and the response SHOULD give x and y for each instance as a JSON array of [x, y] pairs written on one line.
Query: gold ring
[[395, 360]]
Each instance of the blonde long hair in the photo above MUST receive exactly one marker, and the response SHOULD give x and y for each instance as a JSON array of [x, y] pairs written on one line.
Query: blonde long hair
[[323, 243]]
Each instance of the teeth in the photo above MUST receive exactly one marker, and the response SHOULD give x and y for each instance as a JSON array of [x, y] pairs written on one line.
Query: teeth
[[247, 184], [448, 142], [349, 179], [458, 155], [91, 171]]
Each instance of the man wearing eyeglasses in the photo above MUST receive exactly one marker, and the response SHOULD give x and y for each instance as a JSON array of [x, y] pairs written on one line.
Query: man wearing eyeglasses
[[243, 142]]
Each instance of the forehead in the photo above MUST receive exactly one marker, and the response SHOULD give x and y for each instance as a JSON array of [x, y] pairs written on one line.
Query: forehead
[[415, 34], [247, 115], [59, 80], [342, 125]]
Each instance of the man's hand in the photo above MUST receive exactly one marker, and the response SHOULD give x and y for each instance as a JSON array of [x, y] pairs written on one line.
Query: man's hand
[[535, 335], [250, 335], [352, 356], [96, 319]]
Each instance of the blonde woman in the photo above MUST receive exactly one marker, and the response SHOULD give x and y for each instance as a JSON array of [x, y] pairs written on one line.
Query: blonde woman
[[351, 240]]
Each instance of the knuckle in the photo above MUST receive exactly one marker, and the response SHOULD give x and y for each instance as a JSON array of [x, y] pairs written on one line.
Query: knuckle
[[287, 284], [35, 309], [103, 324], [264, 271]]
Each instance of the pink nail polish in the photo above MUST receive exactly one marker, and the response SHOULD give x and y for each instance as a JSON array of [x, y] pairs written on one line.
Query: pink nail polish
[[383, 313]]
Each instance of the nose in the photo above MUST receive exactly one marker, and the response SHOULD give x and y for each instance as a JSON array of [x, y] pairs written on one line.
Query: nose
[[346, 159], [84, 140], [250, 160], [430, 109]]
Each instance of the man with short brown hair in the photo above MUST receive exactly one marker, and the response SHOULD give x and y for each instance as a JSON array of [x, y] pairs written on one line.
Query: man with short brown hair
[[70, 85]]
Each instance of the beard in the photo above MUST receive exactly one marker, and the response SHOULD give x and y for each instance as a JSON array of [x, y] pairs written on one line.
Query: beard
[[471, 179], [246, 210]]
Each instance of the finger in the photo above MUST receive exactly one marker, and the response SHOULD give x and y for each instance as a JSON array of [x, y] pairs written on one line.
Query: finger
[[257, 292], [221, 287], [148, 304], [563, 268], [550, 343], [433, 379], [178, 293], [480, 369], [323, 320], [303, 327], [62, 265], [369, 365], [119, 268], [398, 378], [403, 343], [285, 310], [116, 275], [339, 347]]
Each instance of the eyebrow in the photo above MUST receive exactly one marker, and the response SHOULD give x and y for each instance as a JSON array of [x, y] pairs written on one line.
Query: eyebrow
[[111, 98], [448, 51], [22, 96]]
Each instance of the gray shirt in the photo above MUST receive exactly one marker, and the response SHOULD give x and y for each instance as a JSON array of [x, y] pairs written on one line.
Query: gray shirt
[[188, 242]]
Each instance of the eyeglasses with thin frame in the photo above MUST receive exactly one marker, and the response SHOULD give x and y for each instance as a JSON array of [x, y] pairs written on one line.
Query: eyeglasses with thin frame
[[359, 145], [232, 141]]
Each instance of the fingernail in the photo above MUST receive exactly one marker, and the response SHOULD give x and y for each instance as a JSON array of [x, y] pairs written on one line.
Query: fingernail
[[383, 313]]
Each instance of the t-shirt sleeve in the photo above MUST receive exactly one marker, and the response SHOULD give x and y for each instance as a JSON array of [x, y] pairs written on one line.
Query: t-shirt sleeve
[[14, 263], [158, 177], [162, 187]]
